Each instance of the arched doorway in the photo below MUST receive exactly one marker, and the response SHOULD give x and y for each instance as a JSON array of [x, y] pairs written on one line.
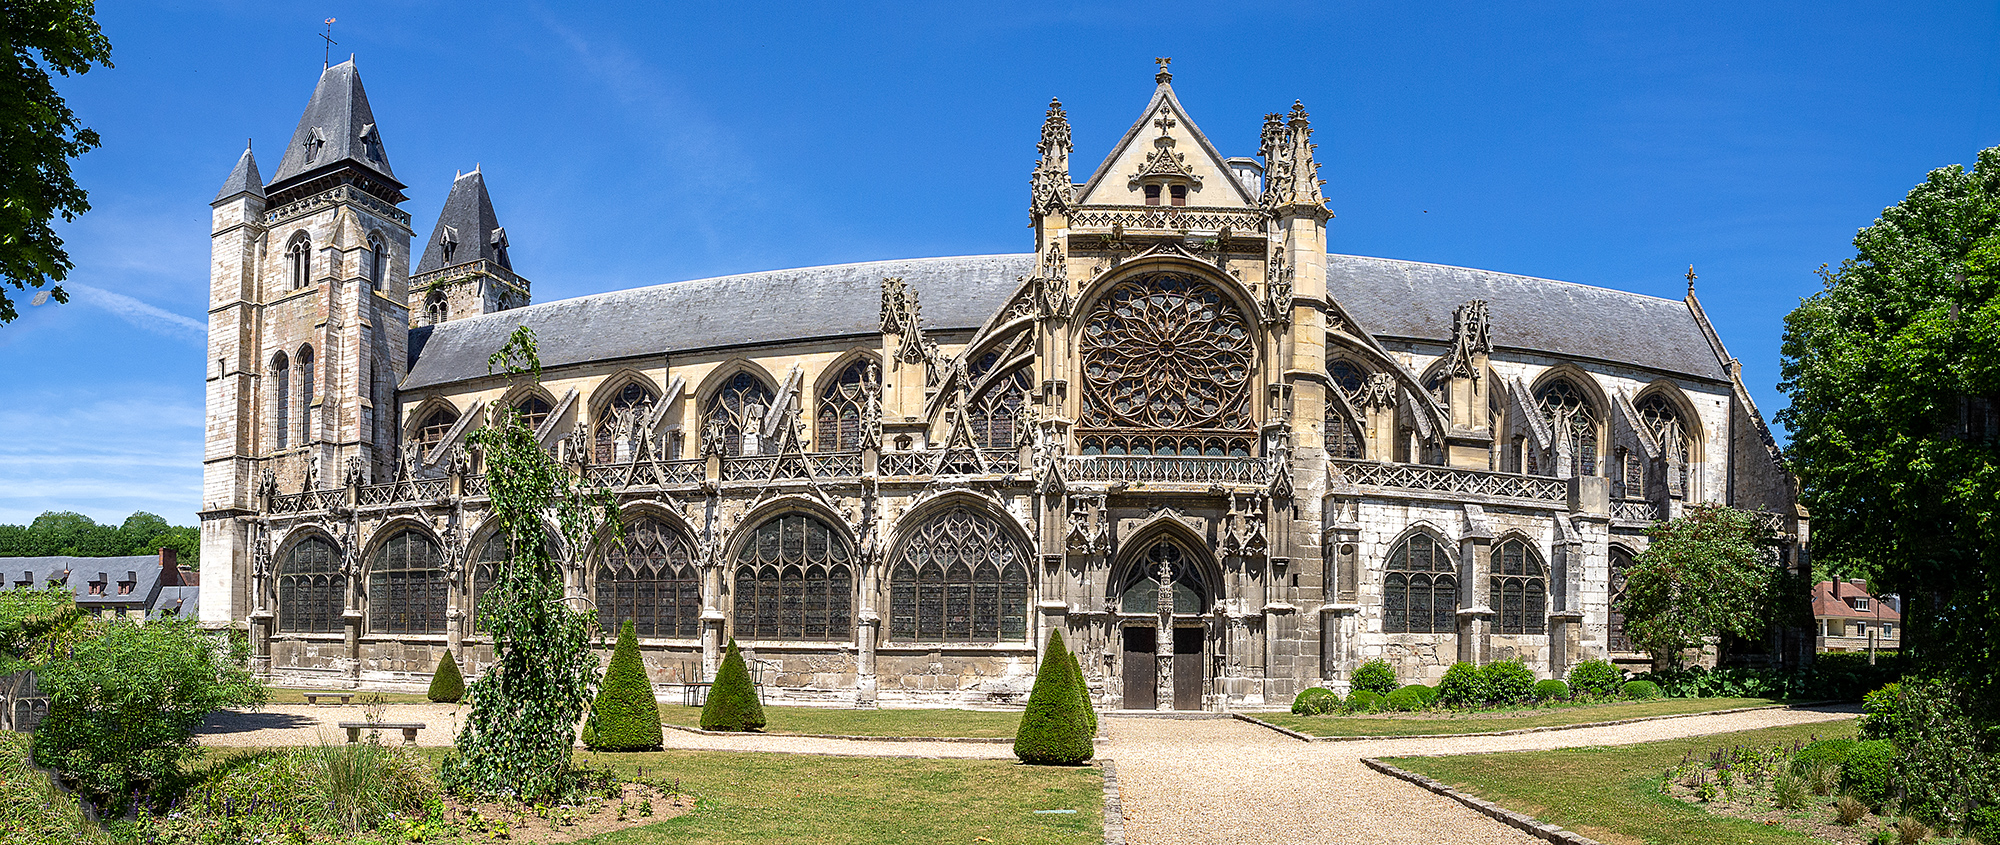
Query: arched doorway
[[1162, 600]]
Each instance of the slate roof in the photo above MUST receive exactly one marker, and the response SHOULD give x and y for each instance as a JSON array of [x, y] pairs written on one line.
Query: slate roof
[[1392, 299], [468, 217], [243, 179], [152, 581], [339, 111]]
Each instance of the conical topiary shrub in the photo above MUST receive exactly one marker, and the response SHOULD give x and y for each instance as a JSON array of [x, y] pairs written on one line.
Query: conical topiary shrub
[[447, 685], [1083, 691], [732, 702], [1055, 729], [624, 717]]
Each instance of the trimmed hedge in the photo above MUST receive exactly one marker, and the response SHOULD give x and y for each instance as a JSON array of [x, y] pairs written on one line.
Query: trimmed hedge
[[1083, 691], [1309, 701], [624, 717], [1829, 751], [1462, 686], [1430, 694], [1375, 676], [1551, 690], [1055, 729], [1404, 699], [1596, 677], [1985, 825], [1642, 690], [732, 701], [1866, 773], [1364, 701], [1507, 681], [447, 685]]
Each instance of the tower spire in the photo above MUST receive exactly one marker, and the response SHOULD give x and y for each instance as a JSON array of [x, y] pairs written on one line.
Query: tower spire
[[337, 137]]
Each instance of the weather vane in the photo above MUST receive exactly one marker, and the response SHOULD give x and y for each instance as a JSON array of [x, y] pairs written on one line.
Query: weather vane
[[326, 59]]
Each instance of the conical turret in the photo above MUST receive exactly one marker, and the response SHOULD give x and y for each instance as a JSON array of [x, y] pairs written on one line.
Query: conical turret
[[465, 269], [467, 229], [337, 138], [243, 179]]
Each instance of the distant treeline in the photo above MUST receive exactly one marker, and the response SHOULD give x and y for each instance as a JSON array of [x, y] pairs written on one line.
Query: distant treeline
[[76, 535]]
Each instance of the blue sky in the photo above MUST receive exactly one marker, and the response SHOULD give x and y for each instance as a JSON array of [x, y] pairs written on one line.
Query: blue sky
[[626, 145]]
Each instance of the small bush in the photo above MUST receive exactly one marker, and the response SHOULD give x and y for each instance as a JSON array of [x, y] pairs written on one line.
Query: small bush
[[1507, 681], [1462, 686], [1884, 716], [447, 685], [732, 702], [1642, 690], [1866, 773], [1055, 729], [1083, 691], [1823, 777], [1405, 700], [1307, 701], [1849, 810], [1788, 790], [1551, 690], [1829, 751], [1430, 694], [624, 717], [1909, 831], [1364, 701], [1596, 677], [1984, 825], [1375, 676]]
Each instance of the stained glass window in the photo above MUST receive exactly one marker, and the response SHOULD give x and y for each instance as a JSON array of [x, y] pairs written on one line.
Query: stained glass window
[[312, 591], [1343, 435], [959, 578], [794, 581], [406, 586], [1420, 588], [281, 372], [996, 414], [1519, 592], [651, 579], [1166, 354], [1572, 417], [734, 404], [842, 406], [620, 411]]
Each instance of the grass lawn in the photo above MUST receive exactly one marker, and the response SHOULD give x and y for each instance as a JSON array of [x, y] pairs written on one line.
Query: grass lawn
[[1446, 722], [1613, 793], [846, 722], [774, 799], [287, 695]]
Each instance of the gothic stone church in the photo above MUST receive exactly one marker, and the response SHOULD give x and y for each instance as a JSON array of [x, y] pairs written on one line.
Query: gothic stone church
[[1224, 462]]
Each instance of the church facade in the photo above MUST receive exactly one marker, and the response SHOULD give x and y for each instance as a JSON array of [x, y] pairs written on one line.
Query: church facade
[[1224, 462]]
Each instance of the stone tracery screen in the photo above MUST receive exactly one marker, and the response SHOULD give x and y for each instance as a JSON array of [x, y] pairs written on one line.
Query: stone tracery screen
[[1141, 591], [740, 404], [795, 581], [312, 591], [1616, 638], [1167, 366], [1520, 592], [996, 415], [1420, 588], [959, 578], [621, 411], [650, 579], [1573, 417], [1661, 419], [406, 586], [842, 406]]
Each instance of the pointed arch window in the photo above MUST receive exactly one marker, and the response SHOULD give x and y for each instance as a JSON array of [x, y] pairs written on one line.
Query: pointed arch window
[[1573, 419], [1420, 588], [794, 581], [959, 578], [1616, 638], [1520, 589], [312, 589], [533, 411], [437, 307], [1347, 376], [650, 578], [997, 416], [406, 586], [435, 426], [837, 425], [298, 260], [1662, 419], [1343, 434], [305, 394], [378, 262], [281, 376], [740, 405], [619, 422], [493, 554], [1140, 592]]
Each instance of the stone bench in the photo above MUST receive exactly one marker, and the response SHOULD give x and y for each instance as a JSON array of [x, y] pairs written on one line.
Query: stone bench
[[409, 730], [314, 697]]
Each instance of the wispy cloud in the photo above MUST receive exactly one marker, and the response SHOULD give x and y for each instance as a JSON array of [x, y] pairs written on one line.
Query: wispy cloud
[[149, 317], [106, 457]]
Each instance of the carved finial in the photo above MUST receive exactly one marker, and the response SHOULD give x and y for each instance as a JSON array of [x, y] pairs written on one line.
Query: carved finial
[[1164, 76], [1291, 178], [1691, 277], [1049, 187]]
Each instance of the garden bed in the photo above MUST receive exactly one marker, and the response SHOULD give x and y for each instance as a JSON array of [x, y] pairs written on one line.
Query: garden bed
[[1463, 722], [831, 721]]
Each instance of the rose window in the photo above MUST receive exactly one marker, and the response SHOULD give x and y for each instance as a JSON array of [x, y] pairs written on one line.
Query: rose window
[[1167, 361]]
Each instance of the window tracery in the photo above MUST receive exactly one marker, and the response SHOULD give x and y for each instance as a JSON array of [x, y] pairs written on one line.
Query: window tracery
[[1573, 418], [794, 581], [406, 586], [997, 416], [1519, 590], [437, 308], [493, 554], [434, 427], [281, 373], [1662, 419], [651, 579], [305, 394], [298, 260], [378, 264], [843, 405], [1343, 435], [1166, 355], [959, 578], [312, 589], [1420, 588], [739, 405], [1348, 377], [533, 411], [616, 423], [1164, 559], [1616, 638]]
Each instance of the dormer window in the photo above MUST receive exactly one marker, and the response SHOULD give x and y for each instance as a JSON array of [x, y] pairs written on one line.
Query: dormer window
[[315, 139], [1859, 602], [130, 583], [96, 588], [371, 143], [499, 242], [448, 243], [1153, 195], [1177, 194]]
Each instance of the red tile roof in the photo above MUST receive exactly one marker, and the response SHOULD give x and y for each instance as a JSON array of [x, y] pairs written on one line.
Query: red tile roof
[[1830, 599]]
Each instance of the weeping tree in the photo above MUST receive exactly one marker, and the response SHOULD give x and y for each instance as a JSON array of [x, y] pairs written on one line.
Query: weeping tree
[[525, 707]]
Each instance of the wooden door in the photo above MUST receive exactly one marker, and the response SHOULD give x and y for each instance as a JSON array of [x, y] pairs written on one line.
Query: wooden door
[[1141, 669], [1190, 667]]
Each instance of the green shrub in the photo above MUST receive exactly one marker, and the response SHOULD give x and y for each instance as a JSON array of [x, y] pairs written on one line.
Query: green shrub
[[1404, 699], [1364, 701], [1849, 810], [1507, 681], [1307, 700], [1866, 773], [1831, 752], [1055, 729], [732, 701], [1883, 715], [447, 685], [1642, 690], [1375, 676], [1984, 825], [624, 717], [1788, 790], [1083, 692], [1596, 678], [1430, 694], [1462, 686], [1551, 690], [1948, 752]]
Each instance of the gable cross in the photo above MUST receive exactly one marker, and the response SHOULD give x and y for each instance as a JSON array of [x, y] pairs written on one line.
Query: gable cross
[[1691, 277], [326, 56], [1165, 121]]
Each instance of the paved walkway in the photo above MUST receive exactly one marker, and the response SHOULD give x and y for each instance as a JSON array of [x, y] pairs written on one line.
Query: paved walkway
[[1184, 781]]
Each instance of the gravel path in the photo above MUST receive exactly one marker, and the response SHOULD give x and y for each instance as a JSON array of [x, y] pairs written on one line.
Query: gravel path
[[1217, 781]]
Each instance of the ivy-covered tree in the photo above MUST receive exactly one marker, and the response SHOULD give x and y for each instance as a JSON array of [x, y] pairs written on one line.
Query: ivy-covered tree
[[1706, 574], [518, 736], [41, 136], [1893, 372]]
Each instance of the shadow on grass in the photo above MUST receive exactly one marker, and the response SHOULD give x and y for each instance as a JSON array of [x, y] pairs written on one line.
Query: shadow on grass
[[234, 722]]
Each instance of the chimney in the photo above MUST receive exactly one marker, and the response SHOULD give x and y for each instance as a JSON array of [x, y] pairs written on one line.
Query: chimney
[[170, 572], [1858, 582]]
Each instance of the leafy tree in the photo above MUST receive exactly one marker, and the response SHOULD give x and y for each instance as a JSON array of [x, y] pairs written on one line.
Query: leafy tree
[[1893, 372], [1705, 574], [525, 707], [732, 703], [624, 717], [125, 701], [34, 625], [139, 528], [1055, 729], [185, 541], [72, 533], [41, 136]]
